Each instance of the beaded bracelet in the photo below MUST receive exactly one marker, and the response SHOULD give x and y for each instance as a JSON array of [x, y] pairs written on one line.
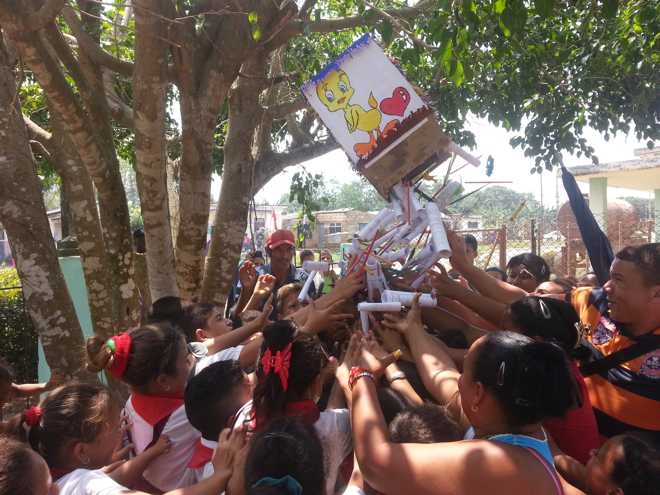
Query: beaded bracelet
[[357, 373]]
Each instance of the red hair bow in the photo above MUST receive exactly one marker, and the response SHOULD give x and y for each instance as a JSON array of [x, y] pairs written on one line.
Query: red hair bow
[[32, 416], [279, 363], [120, 345]]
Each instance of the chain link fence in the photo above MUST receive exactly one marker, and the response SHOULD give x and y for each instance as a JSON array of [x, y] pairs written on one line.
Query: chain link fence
[[557, 239]]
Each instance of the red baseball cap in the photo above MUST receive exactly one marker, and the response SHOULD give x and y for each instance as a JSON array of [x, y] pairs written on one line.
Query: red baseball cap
[[280, 237]]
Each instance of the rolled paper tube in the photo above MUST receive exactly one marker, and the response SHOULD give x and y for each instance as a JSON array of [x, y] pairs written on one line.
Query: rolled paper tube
[[302, 296], [419, 225], [395, 255], [316, 266], [438, 233], [364, 319], [446, 193], [406, 298], [383, 218], [393, 307], [454, 148]]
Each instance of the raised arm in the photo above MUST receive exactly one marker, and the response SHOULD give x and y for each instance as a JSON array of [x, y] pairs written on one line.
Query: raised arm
[[484, 283]]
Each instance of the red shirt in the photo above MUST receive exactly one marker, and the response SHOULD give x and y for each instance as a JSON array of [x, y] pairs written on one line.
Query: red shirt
[[576, 434]]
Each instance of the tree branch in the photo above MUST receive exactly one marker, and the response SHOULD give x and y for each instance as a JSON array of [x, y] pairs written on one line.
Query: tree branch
[[120, 111], [398, 24], [284, 109], [36, 132], [42, 17], [92, 49], [272, 164]]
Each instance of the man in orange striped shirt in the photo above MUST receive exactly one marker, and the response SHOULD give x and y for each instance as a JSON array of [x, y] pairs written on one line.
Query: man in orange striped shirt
[[618, 315]]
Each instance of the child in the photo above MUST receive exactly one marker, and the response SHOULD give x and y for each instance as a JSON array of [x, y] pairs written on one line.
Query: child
[[77, 430], [289, 383], [22, 470], [155, 362], [286, 458], [212, 399], [209, 333], [425, 423], [287, 300]]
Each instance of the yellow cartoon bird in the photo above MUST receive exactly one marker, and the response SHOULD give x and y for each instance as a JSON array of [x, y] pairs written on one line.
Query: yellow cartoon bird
[[335, 92]]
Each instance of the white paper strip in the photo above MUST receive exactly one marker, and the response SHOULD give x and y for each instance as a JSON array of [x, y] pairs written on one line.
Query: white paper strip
[[406, 298], [384, 217], [393, 307], [302, 296], [316, 266]]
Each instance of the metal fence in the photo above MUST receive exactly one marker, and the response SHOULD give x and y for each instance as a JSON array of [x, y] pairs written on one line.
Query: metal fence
[[557, 240]]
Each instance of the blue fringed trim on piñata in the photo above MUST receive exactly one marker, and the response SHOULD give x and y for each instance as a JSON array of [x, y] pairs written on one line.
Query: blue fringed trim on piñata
[[362, 41]]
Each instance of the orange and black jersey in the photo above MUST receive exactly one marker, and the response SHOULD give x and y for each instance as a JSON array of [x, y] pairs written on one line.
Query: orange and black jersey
[[625, 397]]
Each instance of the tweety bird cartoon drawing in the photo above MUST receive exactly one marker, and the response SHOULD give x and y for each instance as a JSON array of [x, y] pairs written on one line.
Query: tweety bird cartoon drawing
[[335, 92]]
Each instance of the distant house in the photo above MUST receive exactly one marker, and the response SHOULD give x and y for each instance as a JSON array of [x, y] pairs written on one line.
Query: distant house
[[332, 227]]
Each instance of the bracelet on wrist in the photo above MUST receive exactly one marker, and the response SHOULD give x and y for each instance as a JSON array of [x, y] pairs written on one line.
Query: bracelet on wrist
[[398, 375], [356, 373]]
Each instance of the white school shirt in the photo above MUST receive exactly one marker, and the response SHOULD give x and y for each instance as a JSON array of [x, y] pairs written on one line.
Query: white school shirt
[[87, 482], [167, 471], [334, 430], [228, 354]]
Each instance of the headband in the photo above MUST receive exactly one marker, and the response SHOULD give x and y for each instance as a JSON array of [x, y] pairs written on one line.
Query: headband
[[119, 346], [288, 483]]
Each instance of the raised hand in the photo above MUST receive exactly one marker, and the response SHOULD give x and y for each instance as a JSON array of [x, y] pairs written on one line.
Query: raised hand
[[444, 284], [230, 444], [348, 286], [410, 323], [265, 285], [459, 260], [323, 319], [247, 275]]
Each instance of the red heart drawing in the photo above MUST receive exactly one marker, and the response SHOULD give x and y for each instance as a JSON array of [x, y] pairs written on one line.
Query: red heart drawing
[[397, 104]]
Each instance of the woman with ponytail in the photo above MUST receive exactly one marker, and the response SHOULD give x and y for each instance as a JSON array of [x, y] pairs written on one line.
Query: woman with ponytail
[[510, 384], [77, 432], [155, 362], [290, 375]]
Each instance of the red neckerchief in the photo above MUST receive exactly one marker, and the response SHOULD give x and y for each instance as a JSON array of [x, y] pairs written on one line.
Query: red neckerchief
[[201, 455], [153, 408], [307, 410]]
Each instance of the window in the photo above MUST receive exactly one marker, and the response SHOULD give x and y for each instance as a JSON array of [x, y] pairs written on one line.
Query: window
[[334, 228], [473, 225]]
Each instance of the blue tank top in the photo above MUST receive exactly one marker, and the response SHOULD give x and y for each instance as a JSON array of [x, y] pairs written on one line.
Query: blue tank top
[[541, 447]]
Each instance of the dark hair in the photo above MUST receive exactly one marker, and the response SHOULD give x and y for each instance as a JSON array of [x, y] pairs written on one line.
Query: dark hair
[[306, 252], [637, 472], [536, 265], [471, 241], [391, 402], [552, 320], [425, 423], [77, 412], [17, 463], [566, 284], [166, 308], [531, 380], [501, 273], [208, 397], [646, 258], [154, 351], [307, 360], [195, 316], [286, 446], [6, 373]]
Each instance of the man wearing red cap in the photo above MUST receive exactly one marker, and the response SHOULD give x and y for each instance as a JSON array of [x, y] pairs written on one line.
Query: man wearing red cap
[[280, 246]]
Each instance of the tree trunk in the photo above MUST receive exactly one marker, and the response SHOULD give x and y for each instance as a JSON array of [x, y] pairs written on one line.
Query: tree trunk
[[237, 177], [173, 170], [65, 210], [102, 165], [149, 97], [86, 227], [23, 216]]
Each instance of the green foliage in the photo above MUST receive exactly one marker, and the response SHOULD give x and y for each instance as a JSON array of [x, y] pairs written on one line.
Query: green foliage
[[305, 192], [17, 334]]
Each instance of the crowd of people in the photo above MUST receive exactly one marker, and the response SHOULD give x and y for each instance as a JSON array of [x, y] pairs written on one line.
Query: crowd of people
[[516, 382]]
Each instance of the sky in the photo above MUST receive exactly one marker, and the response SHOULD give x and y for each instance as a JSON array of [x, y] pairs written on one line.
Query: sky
[[510, 165]]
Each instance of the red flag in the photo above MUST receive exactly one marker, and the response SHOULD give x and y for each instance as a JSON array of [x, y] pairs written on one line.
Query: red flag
[[274, 219]]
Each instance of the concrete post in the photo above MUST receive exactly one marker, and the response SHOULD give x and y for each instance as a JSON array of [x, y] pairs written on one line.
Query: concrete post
[[598, 200], [657, 215]]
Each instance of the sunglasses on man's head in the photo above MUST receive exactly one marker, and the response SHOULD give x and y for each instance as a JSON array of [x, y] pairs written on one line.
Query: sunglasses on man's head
[[523, 274]]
